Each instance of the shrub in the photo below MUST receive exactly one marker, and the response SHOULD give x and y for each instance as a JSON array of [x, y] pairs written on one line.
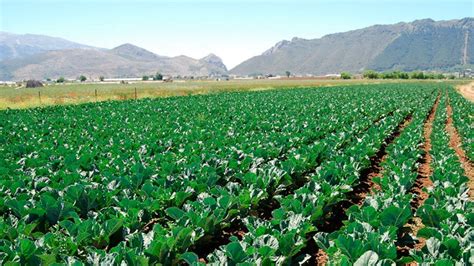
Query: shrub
[[346, 75], [158, 76], [370, 74]]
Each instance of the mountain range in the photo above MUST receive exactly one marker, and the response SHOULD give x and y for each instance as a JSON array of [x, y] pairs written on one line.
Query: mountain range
[[20, 46], [39, 57], [419, 45]]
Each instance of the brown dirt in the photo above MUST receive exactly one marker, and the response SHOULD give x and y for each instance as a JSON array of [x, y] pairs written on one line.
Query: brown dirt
[[321, 257], [455, 144], [467, 91], [424, 170], [422, 182], [149, 226]]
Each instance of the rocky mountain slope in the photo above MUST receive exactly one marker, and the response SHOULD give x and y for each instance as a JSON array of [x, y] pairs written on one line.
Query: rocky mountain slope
[[419, 45], [23, 45], [67, 59]]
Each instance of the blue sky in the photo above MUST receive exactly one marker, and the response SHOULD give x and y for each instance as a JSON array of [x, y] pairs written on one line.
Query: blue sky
[[234, 30]]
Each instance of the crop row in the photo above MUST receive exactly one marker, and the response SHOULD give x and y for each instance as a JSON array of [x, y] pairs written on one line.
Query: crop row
[[463, 121], [131, 195], [283, 238], [155, 181], [447, 214], [372, 230]]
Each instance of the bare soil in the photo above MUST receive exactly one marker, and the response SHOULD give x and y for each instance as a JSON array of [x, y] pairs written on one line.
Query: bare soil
[[424, 170], [149, 226], [422, 182], [455, 144], [467, 91], [321, 257]]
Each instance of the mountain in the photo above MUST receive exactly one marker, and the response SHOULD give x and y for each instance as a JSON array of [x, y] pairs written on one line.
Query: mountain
[[23, 45], [215, 61], [420, 45], [133, 52], [124, 61]]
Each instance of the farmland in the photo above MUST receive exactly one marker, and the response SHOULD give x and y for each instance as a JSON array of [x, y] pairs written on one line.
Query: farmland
[[347, 174], [76, 93]]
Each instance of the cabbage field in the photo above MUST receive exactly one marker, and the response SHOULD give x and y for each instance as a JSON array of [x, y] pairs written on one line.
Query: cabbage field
[[361, 174]]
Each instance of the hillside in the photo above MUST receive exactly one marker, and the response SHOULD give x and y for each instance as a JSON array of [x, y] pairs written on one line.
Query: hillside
[[419, 45], [123, 61], [23, 45]]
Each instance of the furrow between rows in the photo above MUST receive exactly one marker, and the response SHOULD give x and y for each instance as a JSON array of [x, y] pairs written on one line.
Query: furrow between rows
[[336, 217], [422, 183]]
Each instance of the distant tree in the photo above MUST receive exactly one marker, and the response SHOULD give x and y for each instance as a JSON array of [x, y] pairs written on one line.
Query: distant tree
[[60, 80], [451, 76], [429, 76], [440, 76], [417, 75], [158, 76], [287, 73], [48, 79], [82, 78], [101, 78], [403, 75], [145, 77], [388, 75], [370, 74], [346, 75]]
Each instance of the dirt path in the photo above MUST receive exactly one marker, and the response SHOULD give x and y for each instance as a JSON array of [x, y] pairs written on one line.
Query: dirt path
[[467, 91], [423, 181], [455, 144]]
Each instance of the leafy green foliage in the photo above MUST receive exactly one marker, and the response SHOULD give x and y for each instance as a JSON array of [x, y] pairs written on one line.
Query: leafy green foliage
[[346, 75], [155, 181], [447, 213]]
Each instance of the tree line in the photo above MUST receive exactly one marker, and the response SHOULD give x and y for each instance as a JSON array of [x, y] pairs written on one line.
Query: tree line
[[370, 74], [157, 76]]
